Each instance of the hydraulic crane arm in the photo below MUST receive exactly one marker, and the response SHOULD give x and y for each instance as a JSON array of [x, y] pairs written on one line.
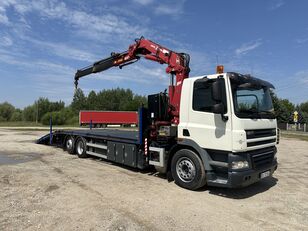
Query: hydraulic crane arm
[[178, 65], [100, 66]]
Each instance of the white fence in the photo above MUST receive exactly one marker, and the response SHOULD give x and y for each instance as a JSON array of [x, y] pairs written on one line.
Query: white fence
[[296, 127]]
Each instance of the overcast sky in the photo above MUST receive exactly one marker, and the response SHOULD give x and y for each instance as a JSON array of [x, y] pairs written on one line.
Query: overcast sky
[[43, 42]]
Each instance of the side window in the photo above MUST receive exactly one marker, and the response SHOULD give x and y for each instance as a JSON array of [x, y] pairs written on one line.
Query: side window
[[202, 96]]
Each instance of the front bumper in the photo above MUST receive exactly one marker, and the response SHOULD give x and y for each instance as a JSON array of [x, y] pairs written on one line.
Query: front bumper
[[245, 178], [260, 161]]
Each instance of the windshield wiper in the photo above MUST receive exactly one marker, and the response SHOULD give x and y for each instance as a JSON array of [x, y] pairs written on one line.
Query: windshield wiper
[[251, 112], [267, 112]]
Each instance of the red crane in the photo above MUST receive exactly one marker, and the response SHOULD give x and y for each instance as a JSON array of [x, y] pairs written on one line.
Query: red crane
[[178, 66]]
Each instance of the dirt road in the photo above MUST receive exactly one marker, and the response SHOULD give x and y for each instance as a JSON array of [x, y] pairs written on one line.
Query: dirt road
[[44, 188]]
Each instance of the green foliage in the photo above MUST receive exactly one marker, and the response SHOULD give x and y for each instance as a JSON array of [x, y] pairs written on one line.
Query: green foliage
[[304, 107], [290, 107], [43, 105], [57, 118], [136, 102], [2, 119], [79, 101], [29, 113], [283, 109], [17, 115], [92, 101], [40, 107], [73, 120], [6, 111], [65, 116], [118, 99]]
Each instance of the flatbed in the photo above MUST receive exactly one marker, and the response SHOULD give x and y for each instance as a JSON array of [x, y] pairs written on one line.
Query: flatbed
[[120, 146], [130, 136], [117, 145]]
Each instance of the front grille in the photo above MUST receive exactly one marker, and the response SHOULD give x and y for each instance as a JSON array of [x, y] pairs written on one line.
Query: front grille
[[260, 142], [266, 134], [262, 158], [259, 133]]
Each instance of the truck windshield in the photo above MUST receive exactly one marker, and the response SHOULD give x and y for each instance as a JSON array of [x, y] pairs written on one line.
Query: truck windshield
[[250, 102]]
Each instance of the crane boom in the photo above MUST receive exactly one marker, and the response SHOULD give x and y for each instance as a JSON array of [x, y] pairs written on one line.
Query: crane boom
[[178, 65]]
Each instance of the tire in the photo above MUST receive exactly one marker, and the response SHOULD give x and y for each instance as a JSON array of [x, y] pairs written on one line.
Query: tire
[[69, 144], [81, 147], [187, 170]]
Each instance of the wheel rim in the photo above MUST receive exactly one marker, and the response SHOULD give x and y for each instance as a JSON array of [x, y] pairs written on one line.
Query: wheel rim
[[80, 148], [69, 144], [185, 169]]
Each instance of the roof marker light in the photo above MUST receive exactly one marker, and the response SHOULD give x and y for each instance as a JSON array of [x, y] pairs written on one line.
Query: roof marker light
[[219, 69]]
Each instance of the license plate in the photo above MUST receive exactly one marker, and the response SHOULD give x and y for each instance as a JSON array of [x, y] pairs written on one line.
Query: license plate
[[265, 174]]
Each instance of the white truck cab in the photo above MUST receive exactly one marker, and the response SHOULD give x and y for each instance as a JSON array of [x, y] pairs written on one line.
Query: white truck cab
[[231, 118]]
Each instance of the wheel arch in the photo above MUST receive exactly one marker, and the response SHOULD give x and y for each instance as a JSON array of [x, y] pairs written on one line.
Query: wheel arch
[[193, 146]]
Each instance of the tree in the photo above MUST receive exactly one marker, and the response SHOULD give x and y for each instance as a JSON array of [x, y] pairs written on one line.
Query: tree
[[283, 109], [79, 101], [43, 105], [6, 111], [290, 107], [304, 107], [137, 102], [29, 113], [17, 115], [57, 118], [92, 101], [118, 99]]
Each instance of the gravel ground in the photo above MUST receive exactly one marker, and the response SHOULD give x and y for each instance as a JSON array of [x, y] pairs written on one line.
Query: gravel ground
[[44, 188]]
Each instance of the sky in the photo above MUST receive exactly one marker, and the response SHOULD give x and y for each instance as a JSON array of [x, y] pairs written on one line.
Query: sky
[[44, 42]]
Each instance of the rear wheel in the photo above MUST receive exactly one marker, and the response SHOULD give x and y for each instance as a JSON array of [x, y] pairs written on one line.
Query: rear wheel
[[187, 169], [69, 145], [81, 149]]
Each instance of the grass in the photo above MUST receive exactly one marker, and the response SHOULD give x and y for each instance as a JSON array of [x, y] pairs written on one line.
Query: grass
[[33, 126], [20, 124], [294, 135]]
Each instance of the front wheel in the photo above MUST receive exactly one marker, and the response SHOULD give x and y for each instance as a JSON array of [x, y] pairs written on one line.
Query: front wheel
[[81, 148], [187, 170]]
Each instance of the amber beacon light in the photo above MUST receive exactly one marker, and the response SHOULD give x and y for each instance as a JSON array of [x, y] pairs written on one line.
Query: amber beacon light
[[219, 69]]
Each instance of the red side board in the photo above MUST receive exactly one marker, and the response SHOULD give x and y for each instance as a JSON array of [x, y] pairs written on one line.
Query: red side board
[[108, 117]]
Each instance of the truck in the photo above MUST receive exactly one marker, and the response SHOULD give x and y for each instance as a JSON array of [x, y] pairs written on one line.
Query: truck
[[215, 130], [105, 118]]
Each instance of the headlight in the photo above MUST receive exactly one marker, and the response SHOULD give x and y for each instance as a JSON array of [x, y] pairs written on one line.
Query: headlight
[[240, 164]]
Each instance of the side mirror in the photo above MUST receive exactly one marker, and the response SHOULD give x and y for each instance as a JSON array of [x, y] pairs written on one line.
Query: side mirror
[[217, 90], [218, 95], [218, 108]]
